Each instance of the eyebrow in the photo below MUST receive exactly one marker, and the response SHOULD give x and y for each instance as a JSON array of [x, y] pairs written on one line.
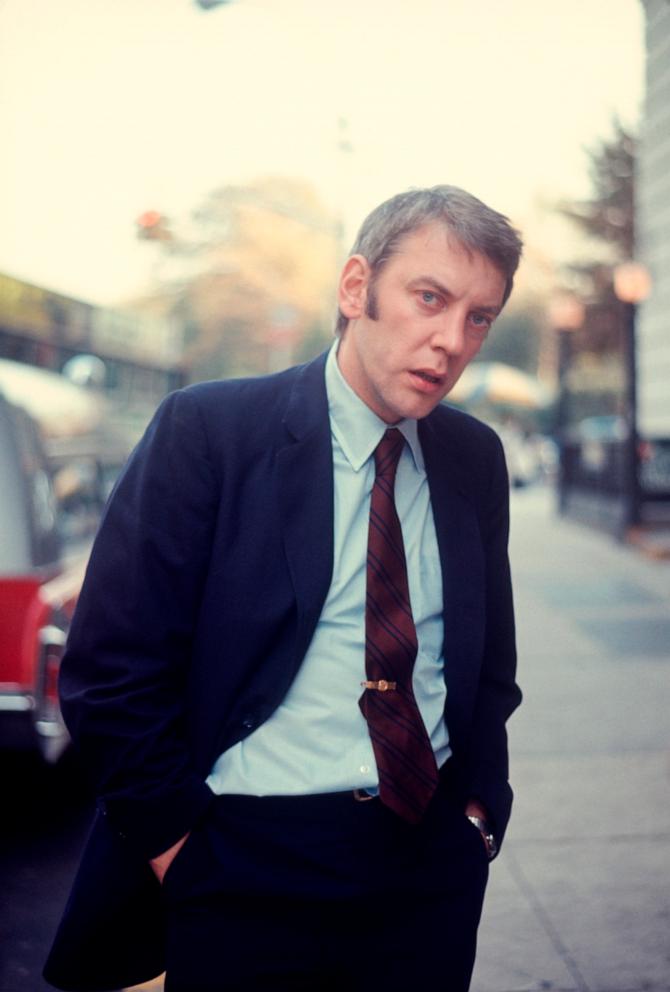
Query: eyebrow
[[441, 288]]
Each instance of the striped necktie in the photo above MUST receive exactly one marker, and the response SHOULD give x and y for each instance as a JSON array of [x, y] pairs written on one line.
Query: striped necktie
[[405, 760]]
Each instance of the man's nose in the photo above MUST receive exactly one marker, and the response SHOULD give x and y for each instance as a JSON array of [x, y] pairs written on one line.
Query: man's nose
[[450, 334]]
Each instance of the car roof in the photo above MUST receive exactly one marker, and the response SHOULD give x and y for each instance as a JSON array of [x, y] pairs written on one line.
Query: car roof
[[60, 407]]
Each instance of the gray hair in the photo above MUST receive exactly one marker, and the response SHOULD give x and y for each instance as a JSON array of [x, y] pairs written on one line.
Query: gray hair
[[475, 226]]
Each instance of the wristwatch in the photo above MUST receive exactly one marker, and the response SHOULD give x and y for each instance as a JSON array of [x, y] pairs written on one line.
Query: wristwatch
[[487, 835]]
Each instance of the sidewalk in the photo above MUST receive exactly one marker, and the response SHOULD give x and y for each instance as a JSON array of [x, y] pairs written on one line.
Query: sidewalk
[[580, 897]]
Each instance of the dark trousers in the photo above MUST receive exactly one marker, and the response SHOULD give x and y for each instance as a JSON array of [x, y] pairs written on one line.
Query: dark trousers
[[325, 893]]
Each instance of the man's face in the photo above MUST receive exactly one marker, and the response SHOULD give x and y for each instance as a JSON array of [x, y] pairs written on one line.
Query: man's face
[[435, 303]]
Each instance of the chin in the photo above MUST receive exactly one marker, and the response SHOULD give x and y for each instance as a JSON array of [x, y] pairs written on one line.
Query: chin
[[414, 409], [418, 412]]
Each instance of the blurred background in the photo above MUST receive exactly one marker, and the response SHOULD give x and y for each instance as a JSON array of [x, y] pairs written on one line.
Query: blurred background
[[181, 181]]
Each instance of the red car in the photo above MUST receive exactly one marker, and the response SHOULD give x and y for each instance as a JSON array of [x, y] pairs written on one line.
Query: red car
[[51, 493]]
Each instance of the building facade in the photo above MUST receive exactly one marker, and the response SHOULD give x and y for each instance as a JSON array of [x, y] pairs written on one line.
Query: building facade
[[140, 353], [653, 228]]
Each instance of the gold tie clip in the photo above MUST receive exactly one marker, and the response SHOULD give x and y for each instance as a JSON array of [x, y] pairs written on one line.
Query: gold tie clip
[[381, 685]]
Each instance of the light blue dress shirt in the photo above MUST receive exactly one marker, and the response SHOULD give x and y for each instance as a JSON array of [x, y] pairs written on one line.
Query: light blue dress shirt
[[318, 740]]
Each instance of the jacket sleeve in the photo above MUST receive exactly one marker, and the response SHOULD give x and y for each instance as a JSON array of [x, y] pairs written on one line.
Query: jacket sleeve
[[124, 673], [498, 694]]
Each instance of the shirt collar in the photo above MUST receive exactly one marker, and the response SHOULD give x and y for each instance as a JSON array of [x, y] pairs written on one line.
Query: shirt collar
[[357, 429]]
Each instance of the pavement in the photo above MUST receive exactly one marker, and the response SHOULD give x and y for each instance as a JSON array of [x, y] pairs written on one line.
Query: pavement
[[579, 899]]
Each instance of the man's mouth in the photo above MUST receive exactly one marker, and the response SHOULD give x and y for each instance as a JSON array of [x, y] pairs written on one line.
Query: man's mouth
[[435, 380]]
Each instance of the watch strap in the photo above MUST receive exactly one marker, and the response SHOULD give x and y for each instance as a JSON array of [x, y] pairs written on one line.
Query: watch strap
[[487, 835]]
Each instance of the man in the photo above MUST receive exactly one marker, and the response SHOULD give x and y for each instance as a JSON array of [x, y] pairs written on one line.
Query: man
[[293, 658]]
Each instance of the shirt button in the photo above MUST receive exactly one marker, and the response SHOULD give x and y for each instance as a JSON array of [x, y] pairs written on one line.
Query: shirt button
[[364, 769]]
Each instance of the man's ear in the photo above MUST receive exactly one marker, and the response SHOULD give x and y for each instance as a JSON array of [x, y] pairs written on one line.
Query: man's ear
[[352, 291]]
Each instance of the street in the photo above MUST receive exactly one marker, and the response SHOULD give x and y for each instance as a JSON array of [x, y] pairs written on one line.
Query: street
[[579, 900], [44, 820]]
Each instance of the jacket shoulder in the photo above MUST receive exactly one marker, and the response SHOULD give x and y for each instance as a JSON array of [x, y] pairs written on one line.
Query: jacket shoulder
[[471, 449], [462, 429], [266, 389], [230, 409]]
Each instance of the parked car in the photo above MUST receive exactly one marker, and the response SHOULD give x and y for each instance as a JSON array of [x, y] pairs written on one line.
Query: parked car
[[52, 488], [530, 457]]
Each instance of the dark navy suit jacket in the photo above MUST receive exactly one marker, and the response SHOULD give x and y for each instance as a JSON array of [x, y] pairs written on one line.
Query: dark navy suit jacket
[[203, 591]]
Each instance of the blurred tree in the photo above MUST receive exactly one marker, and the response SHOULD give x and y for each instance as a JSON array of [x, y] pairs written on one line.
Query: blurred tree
[[608, 219], [255, 275], [596, 379], [609, 215]]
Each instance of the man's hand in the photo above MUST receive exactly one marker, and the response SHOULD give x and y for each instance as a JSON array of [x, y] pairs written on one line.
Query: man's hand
[[161, 864], [475, 808]]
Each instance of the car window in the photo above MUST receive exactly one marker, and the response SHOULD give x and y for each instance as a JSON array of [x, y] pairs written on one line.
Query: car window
[[15, 540], [28, 517]]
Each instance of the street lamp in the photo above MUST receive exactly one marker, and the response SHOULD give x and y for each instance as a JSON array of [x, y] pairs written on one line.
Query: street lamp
[[632, 284], [566, 314]]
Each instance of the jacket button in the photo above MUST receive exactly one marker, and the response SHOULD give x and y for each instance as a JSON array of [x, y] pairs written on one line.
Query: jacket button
[[248, 723]]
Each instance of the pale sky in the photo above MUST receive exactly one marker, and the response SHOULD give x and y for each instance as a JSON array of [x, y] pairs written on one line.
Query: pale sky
[[108, 109]]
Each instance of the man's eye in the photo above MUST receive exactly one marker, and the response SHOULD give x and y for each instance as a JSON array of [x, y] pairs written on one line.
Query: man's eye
[[430, 298], [480, 321]]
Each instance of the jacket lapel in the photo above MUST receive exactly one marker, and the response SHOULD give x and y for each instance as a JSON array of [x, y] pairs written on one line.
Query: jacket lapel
[[304, 476], [460, 548]]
